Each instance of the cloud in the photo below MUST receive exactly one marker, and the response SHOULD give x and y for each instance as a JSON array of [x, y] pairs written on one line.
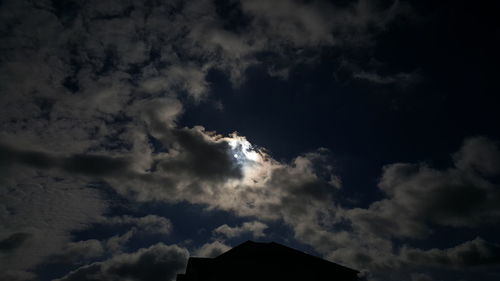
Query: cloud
[[477, 252], [17, 275], [318, 23], [38, 213], [211, 250], [419, 196], [201, 155], [13, 241], [200, 167], [80, 252], [92, 165], [418, 200], [280, 19], [149, 223], [115, 85], [402, 79], [420, 277], [87, 250], [86, 85], [158, 262], [479, 154], [116, 243], [256, 228], [189, 78], [118, 60]]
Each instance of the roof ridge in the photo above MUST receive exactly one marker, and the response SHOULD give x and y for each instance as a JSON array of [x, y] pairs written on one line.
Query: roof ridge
[[284, 247]]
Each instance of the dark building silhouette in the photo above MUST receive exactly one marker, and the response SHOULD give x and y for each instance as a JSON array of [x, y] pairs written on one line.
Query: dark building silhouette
[[265, 261]]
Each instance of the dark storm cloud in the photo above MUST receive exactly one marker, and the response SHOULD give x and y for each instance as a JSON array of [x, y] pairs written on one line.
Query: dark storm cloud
[[10, 155], [13, 242], [201, 157], [156, 263], [92, 165], [194, 165], [95, 165]]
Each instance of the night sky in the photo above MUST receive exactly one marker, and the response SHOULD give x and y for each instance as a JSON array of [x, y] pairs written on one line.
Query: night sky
[[135, 134]]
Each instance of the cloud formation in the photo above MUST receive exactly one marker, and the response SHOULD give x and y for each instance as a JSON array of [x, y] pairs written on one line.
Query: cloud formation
[[93, 91], [92, 165], [211, 250], [80, 252], [419, 199], [149, 223], [158, 262], [13, 242], [474, 253], [419, 196], [256, 228], [38, 213]]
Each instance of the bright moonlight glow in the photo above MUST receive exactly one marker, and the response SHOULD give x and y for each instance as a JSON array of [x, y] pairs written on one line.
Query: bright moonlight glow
[[243, 148], [256, 167]]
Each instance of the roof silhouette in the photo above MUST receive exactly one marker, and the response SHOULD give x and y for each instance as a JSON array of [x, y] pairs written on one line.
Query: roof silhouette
[[265, 261]]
